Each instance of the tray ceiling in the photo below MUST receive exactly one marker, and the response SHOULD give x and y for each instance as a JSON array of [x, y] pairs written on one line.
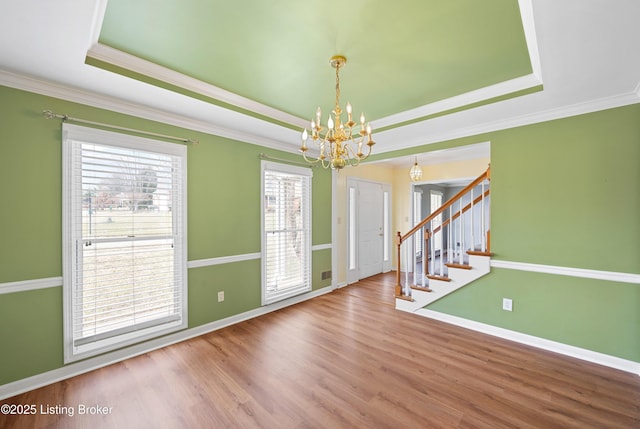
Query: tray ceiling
[[401, 55]]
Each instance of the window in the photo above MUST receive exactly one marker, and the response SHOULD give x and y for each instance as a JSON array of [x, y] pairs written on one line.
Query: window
[[124, 239], [286, 231]]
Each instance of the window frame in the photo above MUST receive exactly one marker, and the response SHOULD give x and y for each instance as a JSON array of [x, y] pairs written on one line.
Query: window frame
[[306, 285], [76, 349]]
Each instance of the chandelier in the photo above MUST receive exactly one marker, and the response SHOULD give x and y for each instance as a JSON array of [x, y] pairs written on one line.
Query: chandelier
[[416, 172], [338, 145]]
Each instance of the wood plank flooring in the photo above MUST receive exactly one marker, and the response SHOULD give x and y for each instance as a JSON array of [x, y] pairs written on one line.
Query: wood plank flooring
[[345, 359]]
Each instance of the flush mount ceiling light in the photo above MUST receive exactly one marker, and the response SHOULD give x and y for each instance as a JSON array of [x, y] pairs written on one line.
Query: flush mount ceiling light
[[416, 172], [338, 145]]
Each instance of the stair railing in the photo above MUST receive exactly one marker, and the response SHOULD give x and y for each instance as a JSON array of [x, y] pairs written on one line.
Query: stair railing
[[446, 243]]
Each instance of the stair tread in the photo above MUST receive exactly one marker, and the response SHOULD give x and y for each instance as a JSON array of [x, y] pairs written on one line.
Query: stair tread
[[479, 253], [424, 289], [405, 298], [455, 265], [436, 277]]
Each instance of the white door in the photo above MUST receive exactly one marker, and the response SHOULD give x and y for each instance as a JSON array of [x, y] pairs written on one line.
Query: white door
[[370, 228]]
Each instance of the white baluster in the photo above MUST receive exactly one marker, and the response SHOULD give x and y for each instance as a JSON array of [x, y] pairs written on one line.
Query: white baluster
[[483, 227], [442, 248], [473, 241], [450, 234], [416, 240], [407, 288], [461, 233], [433, 249]]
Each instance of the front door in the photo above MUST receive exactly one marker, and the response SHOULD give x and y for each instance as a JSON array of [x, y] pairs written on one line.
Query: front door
[[370, 228]]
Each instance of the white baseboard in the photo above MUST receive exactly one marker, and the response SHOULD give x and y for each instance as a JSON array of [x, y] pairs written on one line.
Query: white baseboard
[[541, 343], [341, 284], [26, 384]]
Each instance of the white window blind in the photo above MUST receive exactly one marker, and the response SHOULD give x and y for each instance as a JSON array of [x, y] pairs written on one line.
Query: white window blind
[[286, 231], [125, 256]]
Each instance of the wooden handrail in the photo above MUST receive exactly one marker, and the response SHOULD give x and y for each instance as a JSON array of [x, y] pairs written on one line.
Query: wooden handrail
[[465, 209], [480, 179]]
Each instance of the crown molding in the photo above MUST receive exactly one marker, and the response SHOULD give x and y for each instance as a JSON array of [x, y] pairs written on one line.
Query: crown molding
[[130, 62], [576, 109], [458, 101], [64, 92], [88, 98]]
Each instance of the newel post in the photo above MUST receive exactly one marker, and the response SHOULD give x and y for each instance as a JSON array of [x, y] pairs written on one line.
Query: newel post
[[398, 285]]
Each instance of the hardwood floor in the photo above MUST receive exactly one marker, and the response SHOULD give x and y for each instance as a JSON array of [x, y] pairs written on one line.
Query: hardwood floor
[[345, 359]]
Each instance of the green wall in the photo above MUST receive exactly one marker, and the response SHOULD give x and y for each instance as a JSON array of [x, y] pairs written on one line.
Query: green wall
[[223, 220], [564, 193]]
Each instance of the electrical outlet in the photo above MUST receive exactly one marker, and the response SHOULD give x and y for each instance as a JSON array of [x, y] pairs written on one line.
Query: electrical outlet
[[221, 296], [507, 304]]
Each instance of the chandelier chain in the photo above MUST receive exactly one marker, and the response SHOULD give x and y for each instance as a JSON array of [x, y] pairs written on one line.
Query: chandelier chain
[[337, 85]]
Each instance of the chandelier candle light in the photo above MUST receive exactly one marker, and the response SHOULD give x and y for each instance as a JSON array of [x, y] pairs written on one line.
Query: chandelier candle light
[[337, 144]]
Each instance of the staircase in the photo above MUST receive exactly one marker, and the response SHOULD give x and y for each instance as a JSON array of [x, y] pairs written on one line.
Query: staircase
[[456, 248]]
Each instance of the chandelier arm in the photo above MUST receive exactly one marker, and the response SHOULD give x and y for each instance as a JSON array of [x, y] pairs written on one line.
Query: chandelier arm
[[354, 157], [325, 164], [309, 160]]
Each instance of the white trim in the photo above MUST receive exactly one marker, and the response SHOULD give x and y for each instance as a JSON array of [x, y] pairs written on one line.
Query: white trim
[[26, 384], [567, 271], [541, 343], [75, 95], [223, 260], [327, 246], [25, 285], [97, 21], [468, 98], [529, 27], [547, 115], [135, 64]]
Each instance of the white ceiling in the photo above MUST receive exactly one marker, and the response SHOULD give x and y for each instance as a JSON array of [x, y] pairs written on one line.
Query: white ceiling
[[586, 50]]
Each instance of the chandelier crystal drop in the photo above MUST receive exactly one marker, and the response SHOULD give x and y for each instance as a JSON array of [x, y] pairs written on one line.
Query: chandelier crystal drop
[[338, 145]]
